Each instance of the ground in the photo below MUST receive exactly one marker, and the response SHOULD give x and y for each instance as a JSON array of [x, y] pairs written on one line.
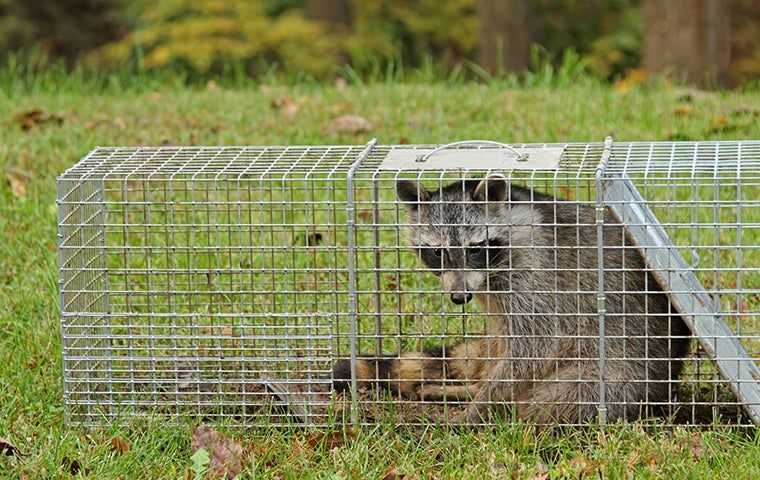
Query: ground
[[49, 124]]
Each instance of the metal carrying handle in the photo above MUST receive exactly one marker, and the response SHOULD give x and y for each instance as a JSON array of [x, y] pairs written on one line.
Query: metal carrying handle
[[520, 157]]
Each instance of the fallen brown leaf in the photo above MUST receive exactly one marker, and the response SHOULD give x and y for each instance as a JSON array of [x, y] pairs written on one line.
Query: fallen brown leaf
[[226, 454], [567, 193], [349, 124], [393, 474], [286, 105], [403, 141], [582, 465], [35, 117], [721, 124], [329, 440], [632, 78], [9, 449], [682, 110], [696, 446], [211, 86], [17, 182], [720, 121], [119, 445], [365, 215], [541, 471]]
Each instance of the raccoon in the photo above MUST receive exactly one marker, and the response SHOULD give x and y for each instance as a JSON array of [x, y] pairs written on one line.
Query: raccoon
[[500, 244]]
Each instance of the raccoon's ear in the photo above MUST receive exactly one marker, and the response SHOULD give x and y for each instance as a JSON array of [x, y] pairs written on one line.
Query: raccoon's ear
[[411, 193], [492, 188]]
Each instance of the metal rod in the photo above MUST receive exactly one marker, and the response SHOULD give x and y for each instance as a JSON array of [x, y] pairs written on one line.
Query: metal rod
[[601, 298], [352, 287]]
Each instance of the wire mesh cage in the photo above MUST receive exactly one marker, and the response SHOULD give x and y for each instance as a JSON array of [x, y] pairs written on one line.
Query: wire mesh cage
[[467, 283]]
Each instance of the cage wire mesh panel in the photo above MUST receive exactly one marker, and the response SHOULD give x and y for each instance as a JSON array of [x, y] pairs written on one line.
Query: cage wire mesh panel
[[539, 304], [468, 283], [203, 281]]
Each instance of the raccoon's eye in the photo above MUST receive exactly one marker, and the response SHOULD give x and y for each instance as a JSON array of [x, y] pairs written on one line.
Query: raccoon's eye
[[437, 252], [478, 249]]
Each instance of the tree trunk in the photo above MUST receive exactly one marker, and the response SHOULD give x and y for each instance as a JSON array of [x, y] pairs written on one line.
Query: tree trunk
[[333, 12], [688, 38], [505, 35]]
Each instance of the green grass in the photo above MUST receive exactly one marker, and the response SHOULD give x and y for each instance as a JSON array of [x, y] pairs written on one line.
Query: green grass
[[100, 113]]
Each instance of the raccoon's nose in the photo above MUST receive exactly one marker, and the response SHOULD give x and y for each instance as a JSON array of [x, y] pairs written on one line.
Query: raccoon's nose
[[460, 298]]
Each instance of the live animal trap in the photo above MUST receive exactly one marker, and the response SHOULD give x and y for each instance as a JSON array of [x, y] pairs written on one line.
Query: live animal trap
[[473, 282]]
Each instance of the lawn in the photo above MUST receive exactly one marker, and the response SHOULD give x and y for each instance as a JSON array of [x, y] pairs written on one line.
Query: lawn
[[49, 125]]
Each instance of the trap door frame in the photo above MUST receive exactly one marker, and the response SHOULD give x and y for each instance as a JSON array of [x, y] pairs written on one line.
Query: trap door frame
[[686, 292]]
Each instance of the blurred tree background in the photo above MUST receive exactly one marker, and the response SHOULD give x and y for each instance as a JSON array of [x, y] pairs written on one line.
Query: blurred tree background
[[711, 42]]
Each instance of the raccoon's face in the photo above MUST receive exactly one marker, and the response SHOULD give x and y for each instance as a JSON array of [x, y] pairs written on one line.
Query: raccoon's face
[[466, 232]]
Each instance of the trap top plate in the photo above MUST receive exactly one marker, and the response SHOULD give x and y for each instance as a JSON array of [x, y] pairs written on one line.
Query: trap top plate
[[541, 158]]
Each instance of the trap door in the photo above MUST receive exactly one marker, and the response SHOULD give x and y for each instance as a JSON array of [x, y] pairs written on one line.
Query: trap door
[[686, 292]]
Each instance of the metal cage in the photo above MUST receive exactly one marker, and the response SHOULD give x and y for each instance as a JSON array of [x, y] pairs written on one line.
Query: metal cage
[[470, 283]]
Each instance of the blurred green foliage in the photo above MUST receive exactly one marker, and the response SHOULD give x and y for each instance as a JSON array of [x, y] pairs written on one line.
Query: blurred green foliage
[[205, 35], [608, 34], [745, 45], [252, 36]]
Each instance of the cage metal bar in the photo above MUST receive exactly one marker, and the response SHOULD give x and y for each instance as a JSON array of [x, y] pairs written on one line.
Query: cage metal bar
[[601, 297], [352, 286], [686, 292]]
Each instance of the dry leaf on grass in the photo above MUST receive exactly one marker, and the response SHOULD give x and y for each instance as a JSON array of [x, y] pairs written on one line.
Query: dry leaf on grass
[[582, 465], [393, 474], [341, 83], [633, 77], [682, 110], [286, 105], [226, 455], [721, 124], [119, 445], [696, 446], [540, 471], [349, 124], [9, 449], [17, 182], [329, 440], [35, 117]]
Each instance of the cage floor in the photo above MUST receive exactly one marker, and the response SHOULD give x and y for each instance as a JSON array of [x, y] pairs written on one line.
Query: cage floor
[[697, 403]]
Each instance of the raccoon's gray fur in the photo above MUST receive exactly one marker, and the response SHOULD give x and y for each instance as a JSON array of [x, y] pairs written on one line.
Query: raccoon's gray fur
[[503, 243]]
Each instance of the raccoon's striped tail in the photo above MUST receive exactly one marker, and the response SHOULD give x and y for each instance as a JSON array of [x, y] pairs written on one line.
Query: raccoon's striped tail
[[415, 375]]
